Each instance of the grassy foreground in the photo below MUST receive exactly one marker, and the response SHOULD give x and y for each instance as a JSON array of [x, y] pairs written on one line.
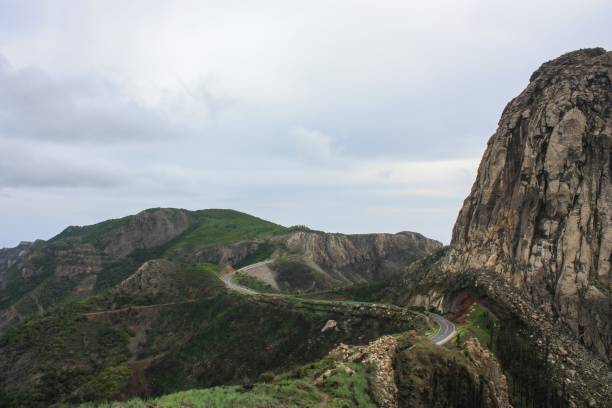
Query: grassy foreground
[[347, 386]]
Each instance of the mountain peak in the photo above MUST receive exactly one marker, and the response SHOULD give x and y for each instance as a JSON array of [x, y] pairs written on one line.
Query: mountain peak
[[584, 56]]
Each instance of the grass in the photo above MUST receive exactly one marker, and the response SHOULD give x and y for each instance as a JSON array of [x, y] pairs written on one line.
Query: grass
[[70, 356], [251, 282], [43, 288], [295, 275], [94, 234], [189, 282], [480, 323], [297, 388], [433, 330], [362, 292], [222, 227], [264, 251]]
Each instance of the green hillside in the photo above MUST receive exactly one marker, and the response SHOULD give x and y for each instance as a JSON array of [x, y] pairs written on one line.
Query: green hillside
[[212, 227], [86, 247]]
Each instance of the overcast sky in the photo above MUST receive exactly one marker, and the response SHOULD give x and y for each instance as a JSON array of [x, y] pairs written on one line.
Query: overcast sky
[[347, 116]]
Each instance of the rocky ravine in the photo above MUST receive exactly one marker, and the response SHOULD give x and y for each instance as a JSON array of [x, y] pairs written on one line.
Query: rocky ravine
[[540, 211]]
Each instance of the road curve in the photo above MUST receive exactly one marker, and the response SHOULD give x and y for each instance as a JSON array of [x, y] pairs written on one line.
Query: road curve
[[446, 331], [227, 279], [446, 328]]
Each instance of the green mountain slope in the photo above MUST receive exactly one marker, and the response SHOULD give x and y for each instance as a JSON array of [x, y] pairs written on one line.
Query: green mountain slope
[[167, 328], [135, 306], [82, 261]]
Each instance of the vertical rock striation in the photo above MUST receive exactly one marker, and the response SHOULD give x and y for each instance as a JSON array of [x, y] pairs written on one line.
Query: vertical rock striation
[[540, 210]]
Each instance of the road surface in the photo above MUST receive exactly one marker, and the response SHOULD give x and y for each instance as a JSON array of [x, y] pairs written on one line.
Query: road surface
[[446, 329], [446, 332], [227, 279]]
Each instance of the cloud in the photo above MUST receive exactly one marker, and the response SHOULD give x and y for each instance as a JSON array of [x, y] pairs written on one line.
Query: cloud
[[105, 113], [86, 108], [33, 165], [49, 167], [312, 145]]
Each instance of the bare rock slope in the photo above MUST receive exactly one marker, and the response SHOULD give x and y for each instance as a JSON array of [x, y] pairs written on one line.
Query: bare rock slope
[[325, 260], [540, 210]]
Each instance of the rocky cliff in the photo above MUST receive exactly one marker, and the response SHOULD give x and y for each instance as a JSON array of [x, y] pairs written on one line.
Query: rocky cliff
[[540, 210], [314, 260], [360, 257], [35, 276], [84, 260], [465, 376], [148, 229], [8, 257]]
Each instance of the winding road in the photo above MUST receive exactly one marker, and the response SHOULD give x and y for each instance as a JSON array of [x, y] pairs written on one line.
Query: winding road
[[445, 333]]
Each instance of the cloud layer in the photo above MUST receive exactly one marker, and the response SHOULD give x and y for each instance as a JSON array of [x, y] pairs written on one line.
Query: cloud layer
[[351, 116]]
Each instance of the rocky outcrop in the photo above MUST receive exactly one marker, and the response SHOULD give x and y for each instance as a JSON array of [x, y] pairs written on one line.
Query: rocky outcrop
[[35, 276], [77, 260], [232, 254], [468, 376], [308, 260], [360, 257], [147, 229], [8, 257], [378, 354], [540, 210], [151, 279], [496, 386]]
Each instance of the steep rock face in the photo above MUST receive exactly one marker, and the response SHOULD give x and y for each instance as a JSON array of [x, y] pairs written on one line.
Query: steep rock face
[[232, 253], [361, 257], [468, 376], [148, 229], [34, 276], [496, 391], [8, 257], [150, 279], [540, 211]]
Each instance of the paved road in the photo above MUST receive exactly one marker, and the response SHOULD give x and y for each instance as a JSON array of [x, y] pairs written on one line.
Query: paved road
[[444, 334], [227, 279]]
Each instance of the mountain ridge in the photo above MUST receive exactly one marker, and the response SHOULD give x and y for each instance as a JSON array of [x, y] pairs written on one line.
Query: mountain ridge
[[83, 260]]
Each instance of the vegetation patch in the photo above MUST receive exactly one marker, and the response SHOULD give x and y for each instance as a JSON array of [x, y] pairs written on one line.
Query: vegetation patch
[[479, 323], [264, 252], [251, 282], [306, 386], [362, 292], [431, 376], [222, 227], [295, 276]]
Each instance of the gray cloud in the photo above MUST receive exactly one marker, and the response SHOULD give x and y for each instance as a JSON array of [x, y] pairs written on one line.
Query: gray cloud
[[39, 168], [87, 108], [355, 117]]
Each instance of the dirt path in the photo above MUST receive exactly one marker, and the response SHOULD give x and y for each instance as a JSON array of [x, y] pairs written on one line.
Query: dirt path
[[144, 307]]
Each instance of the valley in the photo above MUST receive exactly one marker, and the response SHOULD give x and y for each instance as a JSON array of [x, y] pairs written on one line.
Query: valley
[[178, 308]]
